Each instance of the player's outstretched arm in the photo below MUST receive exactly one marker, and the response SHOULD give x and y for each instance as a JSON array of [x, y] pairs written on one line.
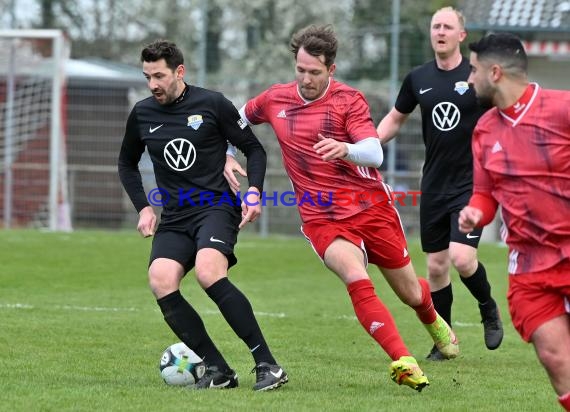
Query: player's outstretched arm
[[390, 125]]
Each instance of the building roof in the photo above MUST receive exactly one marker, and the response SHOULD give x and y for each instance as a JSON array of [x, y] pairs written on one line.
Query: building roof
[[97, 71], [86, 72], [517, 15]]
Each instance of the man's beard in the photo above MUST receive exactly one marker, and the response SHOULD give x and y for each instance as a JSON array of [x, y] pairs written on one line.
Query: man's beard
[[485, 102]]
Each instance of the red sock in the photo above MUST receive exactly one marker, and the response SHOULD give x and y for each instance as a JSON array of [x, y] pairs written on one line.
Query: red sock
[[565, 401], [425, 311], [376, 319]]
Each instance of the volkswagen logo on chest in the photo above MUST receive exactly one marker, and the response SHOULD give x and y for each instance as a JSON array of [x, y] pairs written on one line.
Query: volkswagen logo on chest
[[445, 116], [180, 154]]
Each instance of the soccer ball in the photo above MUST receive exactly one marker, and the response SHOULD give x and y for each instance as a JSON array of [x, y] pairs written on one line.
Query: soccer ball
[[180, 366]]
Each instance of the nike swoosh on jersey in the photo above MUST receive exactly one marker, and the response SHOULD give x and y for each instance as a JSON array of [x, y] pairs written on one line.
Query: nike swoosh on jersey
[[470, 236], [422, 91], [213, 239], [154, 129]]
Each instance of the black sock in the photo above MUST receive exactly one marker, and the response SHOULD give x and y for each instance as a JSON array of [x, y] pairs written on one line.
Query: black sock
[[238, 312], [442, 300], [188, 326], [478, 285]]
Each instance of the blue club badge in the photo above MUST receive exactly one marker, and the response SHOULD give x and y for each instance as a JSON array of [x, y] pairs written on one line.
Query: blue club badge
[[461, 87], [195, 121]]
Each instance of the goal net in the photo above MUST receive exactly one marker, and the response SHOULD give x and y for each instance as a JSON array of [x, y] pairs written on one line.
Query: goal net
[[33, 164]]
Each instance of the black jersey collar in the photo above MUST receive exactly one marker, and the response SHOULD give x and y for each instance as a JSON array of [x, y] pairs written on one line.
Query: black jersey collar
[[181, 97]]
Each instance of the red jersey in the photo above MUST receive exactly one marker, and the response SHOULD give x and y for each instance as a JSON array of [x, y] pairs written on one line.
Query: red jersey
[[322, 188], [522, 159]]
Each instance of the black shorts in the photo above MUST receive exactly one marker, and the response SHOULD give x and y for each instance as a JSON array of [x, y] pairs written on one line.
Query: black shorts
[[439, 224], [210, 228]]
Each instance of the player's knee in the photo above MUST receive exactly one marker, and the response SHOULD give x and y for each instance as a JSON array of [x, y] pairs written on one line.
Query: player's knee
[[162, 282], [207, 274], [161, 287], [437, 269], [211, 266], [465, 264]]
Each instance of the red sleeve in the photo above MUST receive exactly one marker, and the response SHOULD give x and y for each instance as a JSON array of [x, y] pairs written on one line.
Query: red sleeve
[[482, 198], [359, 123], [255, 108], [486, 204], [482, 182]]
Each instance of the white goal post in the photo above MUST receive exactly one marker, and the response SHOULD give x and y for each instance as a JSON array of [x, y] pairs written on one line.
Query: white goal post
[[33, 155]]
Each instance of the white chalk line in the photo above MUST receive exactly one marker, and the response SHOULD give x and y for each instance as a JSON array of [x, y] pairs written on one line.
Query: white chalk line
[[26, 306]]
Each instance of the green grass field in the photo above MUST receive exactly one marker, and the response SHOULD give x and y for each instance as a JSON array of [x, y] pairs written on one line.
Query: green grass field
[[80, 331]]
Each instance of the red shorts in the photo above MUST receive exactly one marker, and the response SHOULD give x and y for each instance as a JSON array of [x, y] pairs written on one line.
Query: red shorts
[[535, 298], [376, 230]]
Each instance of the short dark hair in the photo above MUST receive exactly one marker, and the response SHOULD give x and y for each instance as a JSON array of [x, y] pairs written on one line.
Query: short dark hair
[[163, 49], [505, 49], [317, 41]]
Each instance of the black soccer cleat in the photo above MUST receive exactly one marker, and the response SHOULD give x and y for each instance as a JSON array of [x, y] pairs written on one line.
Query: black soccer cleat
[[268, 376], [492, 324], [215, 379], [435, 355]]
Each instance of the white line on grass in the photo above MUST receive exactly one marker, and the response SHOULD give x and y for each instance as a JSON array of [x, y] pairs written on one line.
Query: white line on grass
[[67, 307], [205, 312], [94, 308], [113, 309], [266, 314], [15, 306]]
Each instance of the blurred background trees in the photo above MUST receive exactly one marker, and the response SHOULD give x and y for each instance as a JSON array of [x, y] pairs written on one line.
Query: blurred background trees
[[224, 37]]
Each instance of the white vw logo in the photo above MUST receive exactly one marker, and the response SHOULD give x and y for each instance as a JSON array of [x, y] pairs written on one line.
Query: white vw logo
[[445, 116], [180, 154]]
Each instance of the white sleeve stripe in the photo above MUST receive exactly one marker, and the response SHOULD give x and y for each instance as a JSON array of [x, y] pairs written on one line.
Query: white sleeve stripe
[[232, 150], [243, 116]]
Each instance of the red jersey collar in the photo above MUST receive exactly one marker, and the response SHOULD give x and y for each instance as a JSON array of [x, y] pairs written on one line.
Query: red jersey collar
[[515, 112], [318, 98]]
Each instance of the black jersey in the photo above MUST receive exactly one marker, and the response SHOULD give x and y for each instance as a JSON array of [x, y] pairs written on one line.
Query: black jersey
[[449, 113], [187, 142]]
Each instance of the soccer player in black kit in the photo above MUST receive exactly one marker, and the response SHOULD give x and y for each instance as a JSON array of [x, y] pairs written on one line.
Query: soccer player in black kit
[[185, 130], [449, 112]]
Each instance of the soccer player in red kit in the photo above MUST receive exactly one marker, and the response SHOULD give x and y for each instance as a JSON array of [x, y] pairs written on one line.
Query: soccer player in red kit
[[521, 152], [329, 144]]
